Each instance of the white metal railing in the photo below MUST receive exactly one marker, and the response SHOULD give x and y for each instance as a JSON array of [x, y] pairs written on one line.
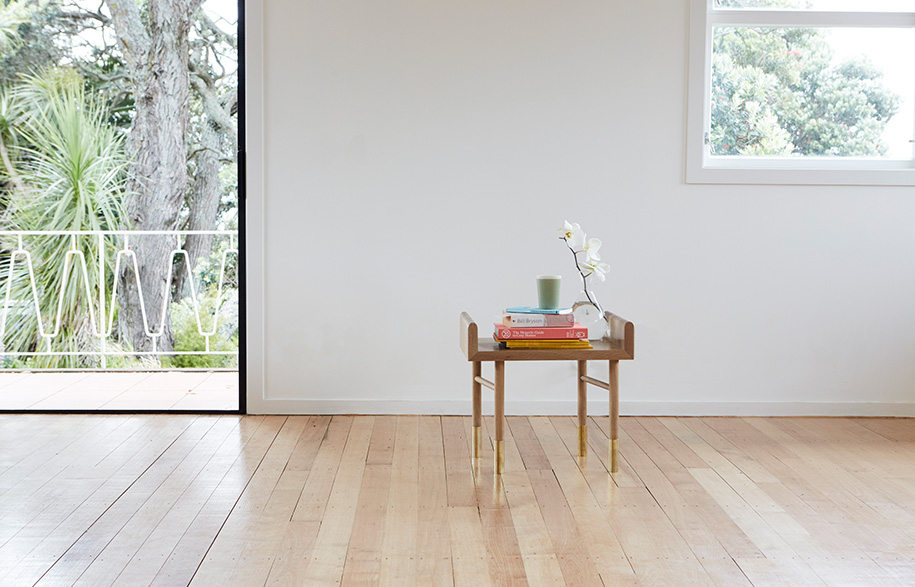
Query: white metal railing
[[102, 320]]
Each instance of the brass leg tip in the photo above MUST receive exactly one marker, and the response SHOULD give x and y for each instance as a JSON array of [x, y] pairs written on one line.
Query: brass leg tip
[[583, 441], [614, 451], [477, 441], [500, 457]]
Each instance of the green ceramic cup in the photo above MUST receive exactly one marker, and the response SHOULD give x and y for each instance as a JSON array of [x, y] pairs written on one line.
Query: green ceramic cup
[[548, 291]]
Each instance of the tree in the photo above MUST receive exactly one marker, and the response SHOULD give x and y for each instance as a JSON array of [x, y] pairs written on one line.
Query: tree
[[167, 74], [777, 92], [216, 87], [155, 47], [12, 16], [70, 168]]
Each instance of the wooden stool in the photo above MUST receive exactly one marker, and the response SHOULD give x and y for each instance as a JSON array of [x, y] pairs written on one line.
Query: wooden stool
[[618, 344]]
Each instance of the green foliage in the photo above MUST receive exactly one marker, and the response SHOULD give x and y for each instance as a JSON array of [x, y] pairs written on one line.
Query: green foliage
[[29, 39], [776, 92], [74, 161], [189, 339], [37, 35], [228, 201], [184, 319], [12, 16], [72, 166], [210, 269]]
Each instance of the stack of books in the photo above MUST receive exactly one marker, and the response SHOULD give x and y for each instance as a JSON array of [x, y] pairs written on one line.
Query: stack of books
[[524, 327]]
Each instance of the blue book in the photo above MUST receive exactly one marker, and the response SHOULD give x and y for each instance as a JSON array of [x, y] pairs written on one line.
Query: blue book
[[533, 310]]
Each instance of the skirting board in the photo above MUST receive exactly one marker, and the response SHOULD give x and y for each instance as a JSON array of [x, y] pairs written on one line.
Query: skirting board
[[595, 408]]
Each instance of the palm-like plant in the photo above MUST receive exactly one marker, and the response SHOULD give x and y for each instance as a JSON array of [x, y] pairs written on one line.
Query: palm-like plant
[[13, 14], [71, 166]]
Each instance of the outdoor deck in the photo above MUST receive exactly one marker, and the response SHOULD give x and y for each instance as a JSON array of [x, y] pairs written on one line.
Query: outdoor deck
[[119, 391]]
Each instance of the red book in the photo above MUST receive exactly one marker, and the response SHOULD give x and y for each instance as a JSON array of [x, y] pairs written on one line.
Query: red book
[[504, 332]]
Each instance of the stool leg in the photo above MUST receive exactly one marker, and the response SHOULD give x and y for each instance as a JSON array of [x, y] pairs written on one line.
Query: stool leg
[[614, 414], [477, 409], [582, 409], [500, 416]]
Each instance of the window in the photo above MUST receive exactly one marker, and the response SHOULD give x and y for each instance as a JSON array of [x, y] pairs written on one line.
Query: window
[[802, 92]]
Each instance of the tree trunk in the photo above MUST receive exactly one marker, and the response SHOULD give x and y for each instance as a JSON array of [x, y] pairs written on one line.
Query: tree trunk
[[203, 210], [156, 49], [204, 205]]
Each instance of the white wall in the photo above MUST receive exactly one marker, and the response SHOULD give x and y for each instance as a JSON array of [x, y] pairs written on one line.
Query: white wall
[[410, 160]]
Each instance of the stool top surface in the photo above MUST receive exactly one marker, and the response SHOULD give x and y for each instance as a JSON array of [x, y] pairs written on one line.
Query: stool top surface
[[617, 345]]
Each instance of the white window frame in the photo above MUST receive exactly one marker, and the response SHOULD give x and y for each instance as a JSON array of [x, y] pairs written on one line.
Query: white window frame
[[702, 167]]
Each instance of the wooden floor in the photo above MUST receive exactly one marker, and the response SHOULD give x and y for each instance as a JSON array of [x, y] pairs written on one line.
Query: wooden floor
[[242, 501]]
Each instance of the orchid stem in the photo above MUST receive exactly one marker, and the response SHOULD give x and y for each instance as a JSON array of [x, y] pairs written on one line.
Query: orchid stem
[[584, 280]]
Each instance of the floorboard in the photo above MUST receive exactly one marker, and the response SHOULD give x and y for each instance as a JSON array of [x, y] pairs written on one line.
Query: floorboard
[[168, 500]]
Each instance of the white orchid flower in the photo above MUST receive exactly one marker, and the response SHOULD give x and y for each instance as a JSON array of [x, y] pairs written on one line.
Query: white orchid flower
[[594, 267], [591, 249], [573, 234], [577, 242]]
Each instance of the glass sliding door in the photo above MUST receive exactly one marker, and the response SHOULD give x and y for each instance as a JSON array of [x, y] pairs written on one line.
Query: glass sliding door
[[120, 224]]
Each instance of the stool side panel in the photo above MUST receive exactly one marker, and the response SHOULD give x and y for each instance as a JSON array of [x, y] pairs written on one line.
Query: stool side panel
[[468, 336]]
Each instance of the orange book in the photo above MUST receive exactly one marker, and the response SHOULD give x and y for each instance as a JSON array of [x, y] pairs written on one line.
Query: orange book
[[543, 343]]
